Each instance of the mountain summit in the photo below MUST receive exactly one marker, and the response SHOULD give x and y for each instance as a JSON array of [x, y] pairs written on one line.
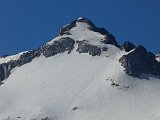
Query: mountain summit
[[84, 23], [83, 73]]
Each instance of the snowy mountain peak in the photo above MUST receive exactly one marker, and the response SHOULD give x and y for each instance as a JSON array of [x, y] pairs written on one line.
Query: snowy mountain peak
[[76, 23], [82, 74], [83, 36], [81, 18], [83, 26], [86, 21]]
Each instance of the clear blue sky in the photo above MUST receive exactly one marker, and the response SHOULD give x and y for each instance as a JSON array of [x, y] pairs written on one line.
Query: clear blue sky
[[27, 24]]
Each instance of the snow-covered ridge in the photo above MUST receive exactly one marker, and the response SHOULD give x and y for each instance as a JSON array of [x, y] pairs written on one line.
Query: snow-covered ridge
[[81, 33], [12, 57], [85, 37], [78, 76]]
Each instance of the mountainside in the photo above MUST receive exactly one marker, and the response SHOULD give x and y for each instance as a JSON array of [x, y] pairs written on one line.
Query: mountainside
[[158, 57], [82, 74]]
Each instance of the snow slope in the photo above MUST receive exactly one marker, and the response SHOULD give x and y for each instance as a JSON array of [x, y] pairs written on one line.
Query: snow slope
[[79, 87]]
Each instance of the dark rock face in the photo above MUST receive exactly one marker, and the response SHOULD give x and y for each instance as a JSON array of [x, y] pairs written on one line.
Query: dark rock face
[[109, 39], [3, 71], [27, 57], [5, 68], [104, 48], [128, 46], [67, 28], [84, 47], [64, 44], [140, 62], [4, 56]]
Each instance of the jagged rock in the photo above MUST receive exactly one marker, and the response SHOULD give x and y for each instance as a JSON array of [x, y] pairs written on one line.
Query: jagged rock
[[140, 62], [27, 57], [109, 39], [64, 44], [60, 46], [5, 68], [128, 46], [67, 28], [3, 71], [84, 47]]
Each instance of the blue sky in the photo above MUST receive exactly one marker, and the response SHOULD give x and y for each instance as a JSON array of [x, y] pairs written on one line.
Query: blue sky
[[27, 24]]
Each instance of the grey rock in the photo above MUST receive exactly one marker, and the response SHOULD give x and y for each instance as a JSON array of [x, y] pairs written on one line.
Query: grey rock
[[64, 44], [84, 47], [3, 71], [110, 39], [128, 46], [5, 68], [60, 46], [104, 48], [139, 62]]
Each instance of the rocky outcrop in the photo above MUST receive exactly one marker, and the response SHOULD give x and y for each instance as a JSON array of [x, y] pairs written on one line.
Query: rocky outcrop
[[110, 40], [84, 47], [139, 62], [4, 71], [127, 46], [60, 46], [5, 68]]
